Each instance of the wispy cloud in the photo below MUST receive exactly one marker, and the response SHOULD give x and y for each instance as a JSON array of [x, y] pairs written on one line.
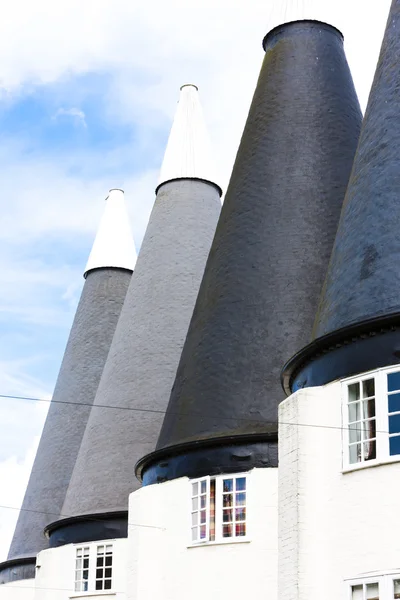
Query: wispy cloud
[[76, 114]]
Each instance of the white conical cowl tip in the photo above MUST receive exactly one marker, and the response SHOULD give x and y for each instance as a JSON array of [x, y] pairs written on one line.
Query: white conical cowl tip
[[113, 245], [188, 154]]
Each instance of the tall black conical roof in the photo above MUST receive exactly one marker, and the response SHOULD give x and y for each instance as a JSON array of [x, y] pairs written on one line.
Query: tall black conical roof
[[266, 267], [356, 328]]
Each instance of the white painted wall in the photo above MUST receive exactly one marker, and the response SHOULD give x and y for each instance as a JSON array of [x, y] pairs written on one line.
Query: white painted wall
[[18, 590], [56, 575], [161, 566], [332, 525]]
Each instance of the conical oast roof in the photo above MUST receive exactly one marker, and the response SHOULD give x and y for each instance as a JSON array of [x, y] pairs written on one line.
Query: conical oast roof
[[89, 341], [263, 278], [144, 355], [189, 152], [356, 328], [114, 245]]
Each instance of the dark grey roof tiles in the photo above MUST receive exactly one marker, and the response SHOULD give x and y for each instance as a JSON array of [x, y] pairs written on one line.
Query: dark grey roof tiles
[[361, 296], [146, 347], [263, 278], [86, 352]]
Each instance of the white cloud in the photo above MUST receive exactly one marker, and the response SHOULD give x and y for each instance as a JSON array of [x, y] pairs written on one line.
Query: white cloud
[[76, 114]]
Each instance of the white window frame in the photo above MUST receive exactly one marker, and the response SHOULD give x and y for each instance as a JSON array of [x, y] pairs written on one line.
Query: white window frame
[[93, 547], [384, 580], [218, 525], [382, 419]]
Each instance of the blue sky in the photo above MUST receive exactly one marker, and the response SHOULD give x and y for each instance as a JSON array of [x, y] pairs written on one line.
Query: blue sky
[[87, 95]]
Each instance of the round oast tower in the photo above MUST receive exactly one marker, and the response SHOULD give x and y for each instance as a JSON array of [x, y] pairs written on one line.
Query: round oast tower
[[268, 261], [217, 453], [107, 276], [144, 355], [339, 472]]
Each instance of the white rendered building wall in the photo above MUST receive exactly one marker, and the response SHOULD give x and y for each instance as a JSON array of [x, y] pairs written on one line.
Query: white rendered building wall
[[162, 565], [333, 526], [55, 573], [18, 590]]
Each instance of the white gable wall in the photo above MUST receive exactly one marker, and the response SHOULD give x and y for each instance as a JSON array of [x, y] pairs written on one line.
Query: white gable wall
[[163, 566], [55, 576], [18, 590], [333, 526]]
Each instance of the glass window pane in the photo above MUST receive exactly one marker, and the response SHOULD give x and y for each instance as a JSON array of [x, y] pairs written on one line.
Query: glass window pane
[[357, 592], [194, 534], [394, 445], [227, 500], [240, 529], [195, 518], [108, 573], [99, 573], [228, 485], [100, 561], [203, 517], [79, 552], [195, 504], [368, 388], [203, 488], [354, 412], [85, 574], [195, 489], [99, 585], [370, 450], [109, 560], [227, 515], [368, 409], [85, 563], [227, 530], [203, 532], [240, 484], [396, 588], [394, 424], [78, 563], [369, 429], [108, 549], [372, 591], [355, 433], [100, 549], [394, 403], [241, 499], [240, 514], [107, 584], [203, 501], [354, 392], [355, 453], [393, 381], [84, 585], [78, 586]]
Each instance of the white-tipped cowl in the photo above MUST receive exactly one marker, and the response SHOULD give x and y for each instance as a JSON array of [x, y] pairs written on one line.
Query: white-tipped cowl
[[114, 245], [188, 154]]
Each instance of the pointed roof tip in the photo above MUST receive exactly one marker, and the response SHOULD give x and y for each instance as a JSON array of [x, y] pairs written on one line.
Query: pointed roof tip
[[188, 154], [114, 245], [189, 85]]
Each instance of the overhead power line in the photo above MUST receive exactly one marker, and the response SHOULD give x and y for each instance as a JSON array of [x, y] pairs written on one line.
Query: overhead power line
[[170, 412]]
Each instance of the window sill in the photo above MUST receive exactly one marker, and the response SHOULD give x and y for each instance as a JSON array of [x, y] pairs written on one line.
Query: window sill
[[219, 543], [370, 464], [93, 593]]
